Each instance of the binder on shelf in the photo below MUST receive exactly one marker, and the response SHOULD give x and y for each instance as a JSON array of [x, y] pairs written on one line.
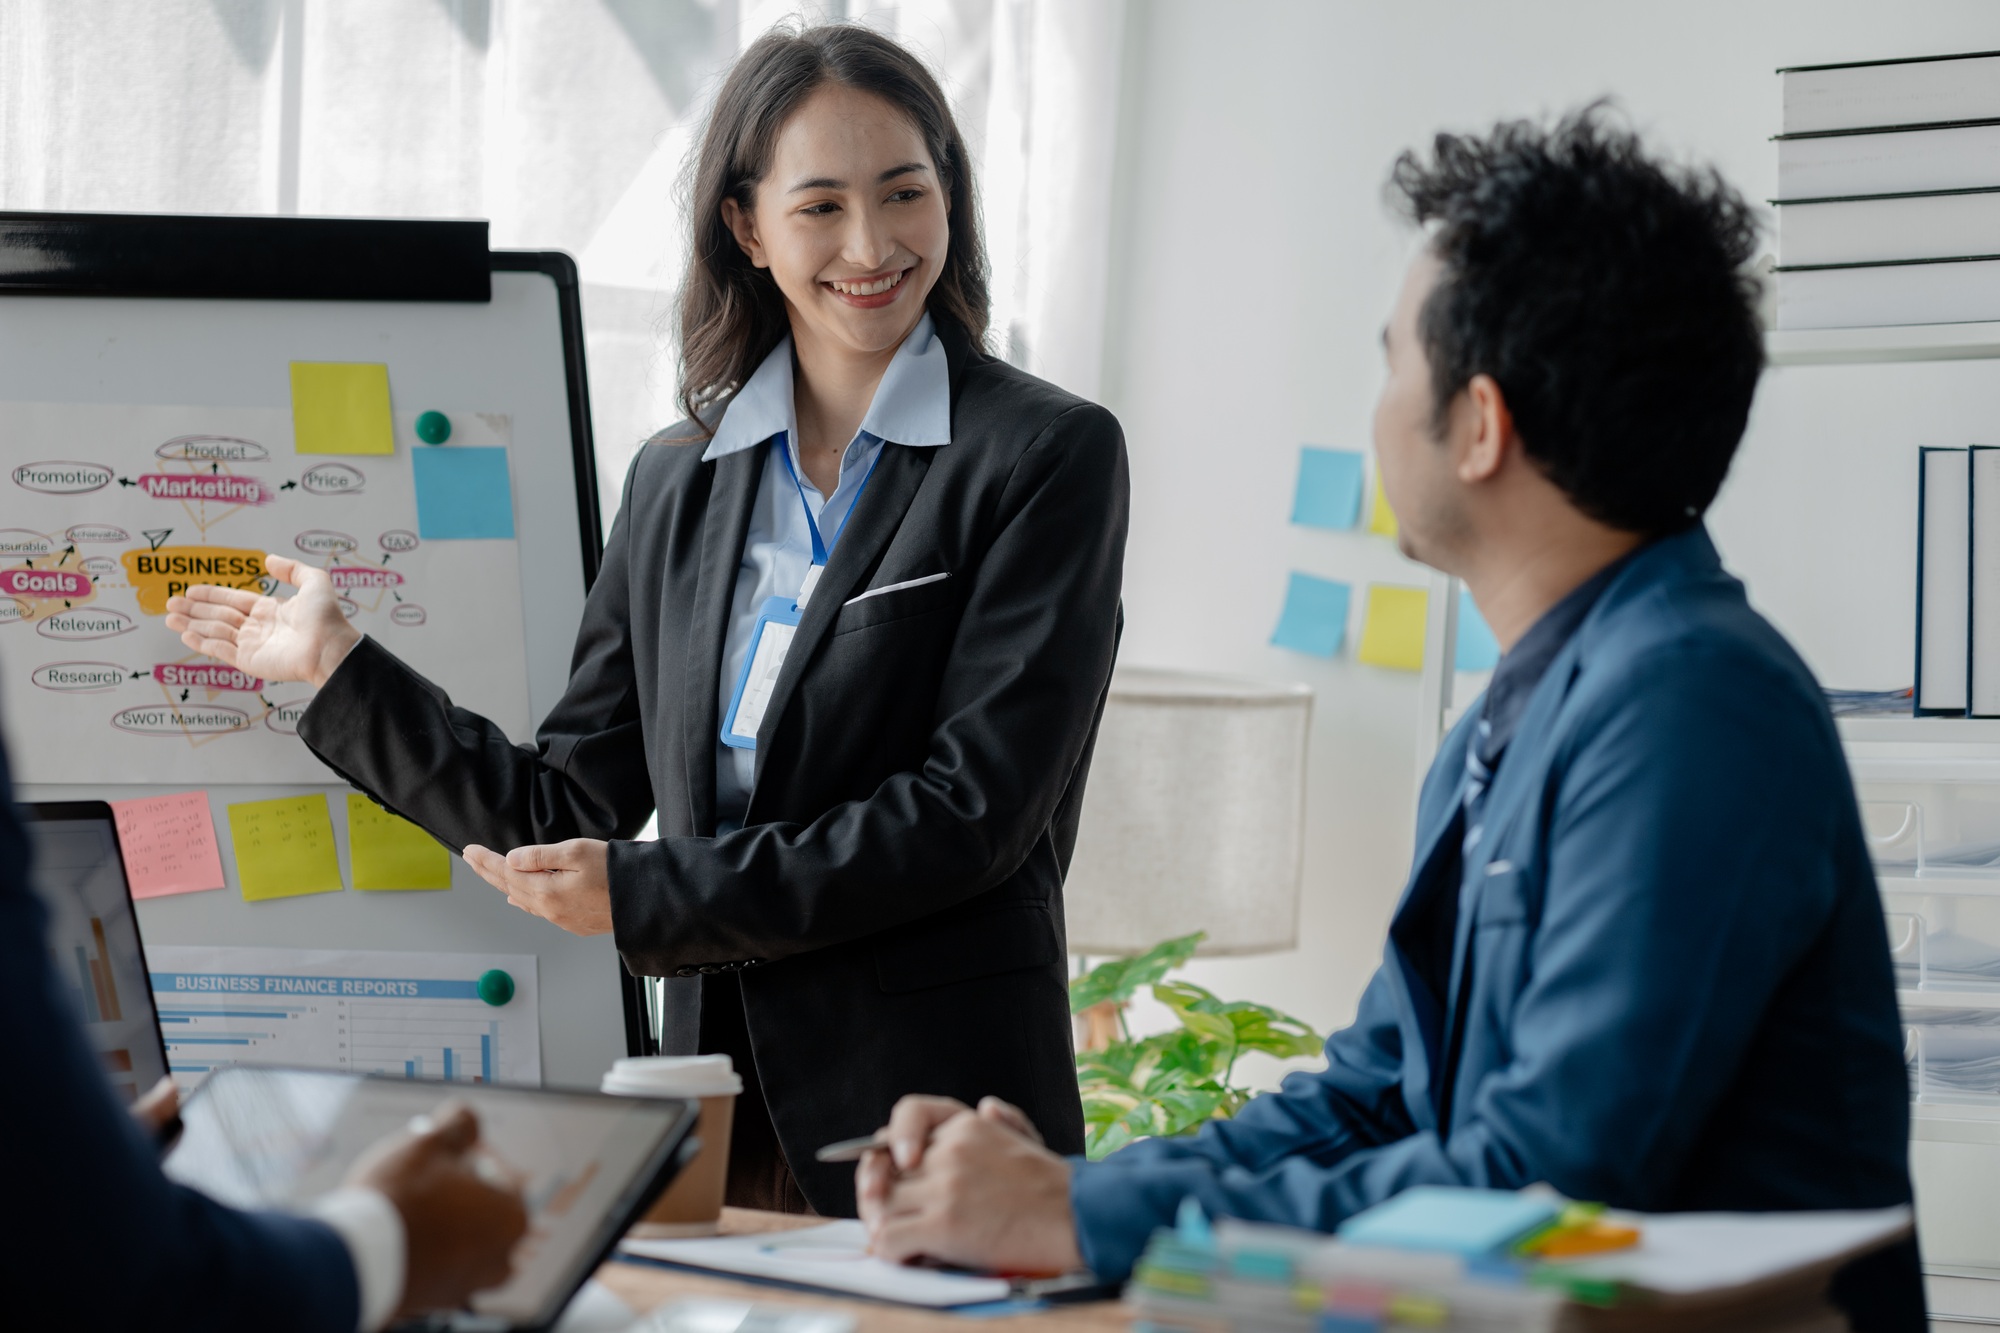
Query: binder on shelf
[[1912, 291], [1944, 576], [1888, 161], [1983, 593], [1924, 90], [1881, 228]]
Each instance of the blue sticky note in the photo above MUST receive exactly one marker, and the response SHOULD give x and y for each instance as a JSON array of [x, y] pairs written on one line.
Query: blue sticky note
[[1478, 650], [1329, 494], [1449, 1219], [462, 493], [1315, 616]]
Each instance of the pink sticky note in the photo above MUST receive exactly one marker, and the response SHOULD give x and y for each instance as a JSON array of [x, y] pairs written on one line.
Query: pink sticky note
[[169, 844]]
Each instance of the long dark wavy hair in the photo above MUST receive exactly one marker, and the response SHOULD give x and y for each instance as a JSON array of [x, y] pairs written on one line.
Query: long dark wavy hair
[[731, 312]]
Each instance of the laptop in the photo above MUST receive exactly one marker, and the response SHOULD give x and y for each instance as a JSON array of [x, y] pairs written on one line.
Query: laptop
[[79, 875]]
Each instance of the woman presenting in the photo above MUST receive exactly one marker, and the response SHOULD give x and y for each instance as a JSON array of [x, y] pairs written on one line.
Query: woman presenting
[[851, 638]]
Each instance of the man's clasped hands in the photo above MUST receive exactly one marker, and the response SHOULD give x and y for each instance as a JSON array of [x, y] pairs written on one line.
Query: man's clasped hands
[[969, 1187]]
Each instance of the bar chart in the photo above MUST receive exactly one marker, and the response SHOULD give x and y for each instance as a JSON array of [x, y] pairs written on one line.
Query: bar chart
[[405, 1015]]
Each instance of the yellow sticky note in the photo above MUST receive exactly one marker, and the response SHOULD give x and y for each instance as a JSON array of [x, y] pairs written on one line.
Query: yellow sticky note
[[1392, 635], [284, 847], [389, 852], [1381, 518], [341, 407]]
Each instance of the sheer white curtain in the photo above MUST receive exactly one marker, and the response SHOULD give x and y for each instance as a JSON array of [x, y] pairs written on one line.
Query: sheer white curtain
[[564, 122]]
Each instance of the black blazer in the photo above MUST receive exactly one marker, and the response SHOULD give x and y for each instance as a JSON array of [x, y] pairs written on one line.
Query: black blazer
[[893, 905]]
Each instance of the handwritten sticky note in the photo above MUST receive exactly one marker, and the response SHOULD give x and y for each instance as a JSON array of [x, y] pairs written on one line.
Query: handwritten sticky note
[[389, 852], [1478, 650], [1392, 630], [1381, 518], [462, 493], [341, 407], [284, 847], [1315, 616], [169, 844], [1329, 488]]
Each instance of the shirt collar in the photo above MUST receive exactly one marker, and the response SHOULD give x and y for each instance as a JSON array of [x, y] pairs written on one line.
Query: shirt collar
[[912, 404]]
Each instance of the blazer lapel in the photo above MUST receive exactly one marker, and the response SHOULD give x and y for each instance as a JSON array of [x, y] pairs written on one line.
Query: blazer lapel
[[731, 495], [878, 516], [1436, 855]]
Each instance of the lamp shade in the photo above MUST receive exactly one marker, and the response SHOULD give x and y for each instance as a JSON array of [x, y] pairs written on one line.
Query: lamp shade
[[1193, 818]]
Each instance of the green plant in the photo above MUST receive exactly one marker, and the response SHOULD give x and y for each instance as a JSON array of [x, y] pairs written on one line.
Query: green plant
[[1171, 1082]]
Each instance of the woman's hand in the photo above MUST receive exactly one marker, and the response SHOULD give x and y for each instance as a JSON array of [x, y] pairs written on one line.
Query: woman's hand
[[300, 638], [567, 883]]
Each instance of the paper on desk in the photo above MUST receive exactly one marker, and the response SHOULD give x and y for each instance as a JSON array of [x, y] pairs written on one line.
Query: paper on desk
[[1683, 1253], [833, 1257]]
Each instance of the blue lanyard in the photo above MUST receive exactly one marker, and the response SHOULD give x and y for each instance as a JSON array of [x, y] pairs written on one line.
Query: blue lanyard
[[822, 550]]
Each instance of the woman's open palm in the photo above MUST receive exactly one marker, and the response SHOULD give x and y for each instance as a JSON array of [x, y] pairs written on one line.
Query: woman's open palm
[[303, 637]]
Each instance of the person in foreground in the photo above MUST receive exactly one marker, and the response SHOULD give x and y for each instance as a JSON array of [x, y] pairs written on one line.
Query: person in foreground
[[1640, 955], [97, 1226]]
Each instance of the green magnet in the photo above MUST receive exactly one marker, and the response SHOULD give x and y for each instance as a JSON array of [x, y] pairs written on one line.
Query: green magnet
[[495, 987], [433, 428]]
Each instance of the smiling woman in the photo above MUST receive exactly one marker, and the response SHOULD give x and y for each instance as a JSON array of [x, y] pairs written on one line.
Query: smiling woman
[[851, 639]]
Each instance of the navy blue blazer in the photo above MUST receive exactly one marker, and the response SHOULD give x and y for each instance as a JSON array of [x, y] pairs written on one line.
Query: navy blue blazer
[[1680, 992], [91, 1223]]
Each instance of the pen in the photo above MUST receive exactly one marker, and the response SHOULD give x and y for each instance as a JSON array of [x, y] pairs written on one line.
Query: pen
[[851, 1150]]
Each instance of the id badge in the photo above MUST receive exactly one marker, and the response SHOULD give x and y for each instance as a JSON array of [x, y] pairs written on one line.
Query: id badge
[[769, 642]]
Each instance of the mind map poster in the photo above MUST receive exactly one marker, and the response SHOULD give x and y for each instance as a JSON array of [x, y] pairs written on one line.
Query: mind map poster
[[106, 511]]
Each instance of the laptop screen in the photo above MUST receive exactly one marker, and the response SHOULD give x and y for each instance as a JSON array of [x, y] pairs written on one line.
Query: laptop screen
[[94, 937]]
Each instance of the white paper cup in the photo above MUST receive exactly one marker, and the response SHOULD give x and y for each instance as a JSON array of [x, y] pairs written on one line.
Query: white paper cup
[[692, 1204]]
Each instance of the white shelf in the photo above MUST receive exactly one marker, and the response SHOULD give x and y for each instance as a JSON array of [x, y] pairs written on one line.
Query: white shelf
[[1947, 999], [1943, 886], [1900, 342]]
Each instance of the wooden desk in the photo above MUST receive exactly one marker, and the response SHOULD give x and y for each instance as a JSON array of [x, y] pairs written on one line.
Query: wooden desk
[[643, 1287]]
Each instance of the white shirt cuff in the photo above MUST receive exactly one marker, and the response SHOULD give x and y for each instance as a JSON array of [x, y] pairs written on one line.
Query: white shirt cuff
[[373, 1231]]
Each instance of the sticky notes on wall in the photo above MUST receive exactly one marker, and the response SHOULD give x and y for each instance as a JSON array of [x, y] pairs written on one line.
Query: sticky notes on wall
[[1381, 518], [284, 847], [1392, 630], [462, 493], [1478, 650], [169, 844], [341, 407], [1315, 616], [1329, 488], [389, 852]]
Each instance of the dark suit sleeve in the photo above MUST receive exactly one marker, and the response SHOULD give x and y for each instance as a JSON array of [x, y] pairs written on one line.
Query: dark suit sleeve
[[94, 1227], [1686, 862], [1016, 704], [393, 734]]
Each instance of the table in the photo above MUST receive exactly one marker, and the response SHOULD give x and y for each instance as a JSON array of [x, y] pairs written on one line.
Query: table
[[643, 1287]]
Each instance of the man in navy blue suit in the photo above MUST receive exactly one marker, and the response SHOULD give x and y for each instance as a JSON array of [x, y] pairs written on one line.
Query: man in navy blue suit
[[1640, 955], [94, 1228]]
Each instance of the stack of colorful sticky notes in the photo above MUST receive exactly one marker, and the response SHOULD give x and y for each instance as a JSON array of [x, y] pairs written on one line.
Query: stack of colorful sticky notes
[[1463, 1259]]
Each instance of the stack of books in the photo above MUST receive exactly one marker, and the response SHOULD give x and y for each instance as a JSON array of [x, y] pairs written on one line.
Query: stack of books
[[1889, 193], [1497, 1262]]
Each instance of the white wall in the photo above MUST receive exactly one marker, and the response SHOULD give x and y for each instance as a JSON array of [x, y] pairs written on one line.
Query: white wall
[[1254, 265]]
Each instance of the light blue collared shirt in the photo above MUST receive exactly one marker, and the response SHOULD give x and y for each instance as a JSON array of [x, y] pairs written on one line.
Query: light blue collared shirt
[[911, 407]]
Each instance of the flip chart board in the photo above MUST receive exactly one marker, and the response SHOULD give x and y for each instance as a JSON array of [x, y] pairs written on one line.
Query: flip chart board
[[180, 395]]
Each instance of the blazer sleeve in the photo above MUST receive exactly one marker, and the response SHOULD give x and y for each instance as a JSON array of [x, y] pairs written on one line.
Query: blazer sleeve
[[395, 735], [1019, 696], [98, 1224], [1655, 954]]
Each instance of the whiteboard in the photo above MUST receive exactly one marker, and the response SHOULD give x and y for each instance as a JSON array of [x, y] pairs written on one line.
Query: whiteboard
[[506, 356]]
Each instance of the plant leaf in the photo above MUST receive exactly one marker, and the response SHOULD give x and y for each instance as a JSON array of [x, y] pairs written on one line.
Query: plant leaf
[[1121, 978]]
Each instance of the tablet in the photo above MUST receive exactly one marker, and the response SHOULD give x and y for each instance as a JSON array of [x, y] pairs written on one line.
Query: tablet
[[277, 1138], [94, 937]]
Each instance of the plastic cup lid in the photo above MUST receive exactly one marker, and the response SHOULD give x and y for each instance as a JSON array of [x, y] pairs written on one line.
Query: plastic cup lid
[[674, 1076]]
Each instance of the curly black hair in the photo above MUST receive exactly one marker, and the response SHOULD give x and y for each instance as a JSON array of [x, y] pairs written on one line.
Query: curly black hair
[[1606, 292]]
